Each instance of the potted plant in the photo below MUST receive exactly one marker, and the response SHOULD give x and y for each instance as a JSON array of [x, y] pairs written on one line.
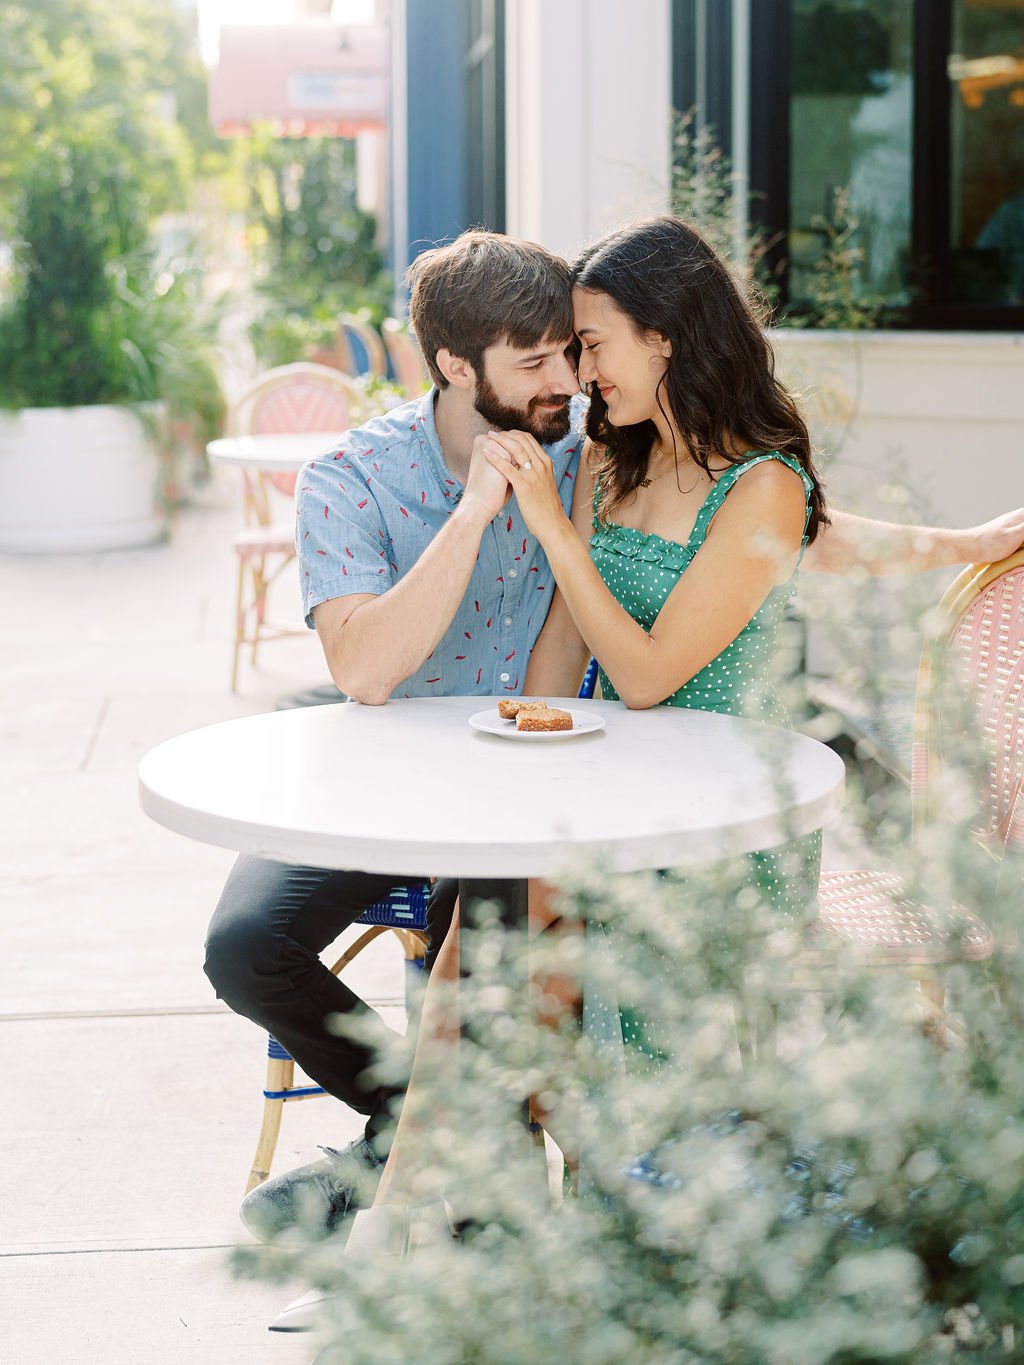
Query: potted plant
[[102, 356]]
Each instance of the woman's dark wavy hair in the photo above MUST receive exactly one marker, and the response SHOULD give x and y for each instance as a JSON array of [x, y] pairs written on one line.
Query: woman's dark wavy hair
[[720, 386]]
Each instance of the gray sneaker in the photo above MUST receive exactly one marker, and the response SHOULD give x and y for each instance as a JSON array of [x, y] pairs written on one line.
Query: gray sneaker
[[314, 1200]]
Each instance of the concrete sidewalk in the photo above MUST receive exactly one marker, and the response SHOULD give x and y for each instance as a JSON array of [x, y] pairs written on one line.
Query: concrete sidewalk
[[133, 1097]]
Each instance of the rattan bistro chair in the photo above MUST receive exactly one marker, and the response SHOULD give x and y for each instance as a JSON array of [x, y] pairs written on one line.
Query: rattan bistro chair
[[404, 912], [981, 633], [291, 398]]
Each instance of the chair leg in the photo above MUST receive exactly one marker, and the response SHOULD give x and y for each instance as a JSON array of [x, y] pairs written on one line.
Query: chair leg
[[239, 625], [933, 995], [280, 1076], [744, 1040], [756, 1031], [259, 585]]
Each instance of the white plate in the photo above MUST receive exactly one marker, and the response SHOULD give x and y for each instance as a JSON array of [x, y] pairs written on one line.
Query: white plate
[[583, 723]]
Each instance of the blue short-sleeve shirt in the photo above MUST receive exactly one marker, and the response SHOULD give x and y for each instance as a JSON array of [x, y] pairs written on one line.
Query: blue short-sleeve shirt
[[366, 511]]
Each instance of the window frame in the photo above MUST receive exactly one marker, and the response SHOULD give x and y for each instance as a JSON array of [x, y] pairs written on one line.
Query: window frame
[[768, 117]]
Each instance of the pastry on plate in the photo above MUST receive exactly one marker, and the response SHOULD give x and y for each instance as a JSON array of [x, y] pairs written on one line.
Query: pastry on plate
[[539, 718], [509, 707]]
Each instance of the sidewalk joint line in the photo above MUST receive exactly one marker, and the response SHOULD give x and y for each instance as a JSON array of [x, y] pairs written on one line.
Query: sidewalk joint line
[[117, 1251], [94, 734], [149, 1012]]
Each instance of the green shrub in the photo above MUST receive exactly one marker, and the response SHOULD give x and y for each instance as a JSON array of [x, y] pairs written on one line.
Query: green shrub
[[89, 317]]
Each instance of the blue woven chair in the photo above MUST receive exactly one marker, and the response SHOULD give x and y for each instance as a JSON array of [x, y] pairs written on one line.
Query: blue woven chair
[[404, 913]]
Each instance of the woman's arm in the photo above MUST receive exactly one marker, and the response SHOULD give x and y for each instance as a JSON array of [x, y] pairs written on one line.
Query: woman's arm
[[752, 545], [560, 656], [854, 543]]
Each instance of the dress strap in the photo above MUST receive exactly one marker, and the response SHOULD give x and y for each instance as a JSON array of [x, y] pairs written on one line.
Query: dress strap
[[728, 477]]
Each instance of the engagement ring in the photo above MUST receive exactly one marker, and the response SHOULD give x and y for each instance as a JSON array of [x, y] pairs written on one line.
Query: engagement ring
[[527, 464]]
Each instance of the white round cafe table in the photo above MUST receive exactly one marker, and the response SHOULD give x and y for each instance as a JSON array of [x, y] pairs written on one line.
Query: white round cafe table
[[410, 788], [278, 453]]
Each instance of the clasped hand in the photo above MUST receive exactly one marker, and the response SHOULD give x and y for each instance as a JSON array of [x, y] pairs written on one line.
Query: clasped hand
[[524, 462]]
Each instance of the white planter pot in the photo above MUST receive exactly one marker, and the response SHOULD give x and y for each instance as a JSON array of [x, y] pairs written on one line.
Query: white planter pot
[[77, 479]]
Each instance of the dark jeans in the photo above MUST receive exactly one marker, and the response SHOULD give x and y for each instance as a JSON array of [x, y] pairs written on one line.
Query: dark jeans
[[263, 959]]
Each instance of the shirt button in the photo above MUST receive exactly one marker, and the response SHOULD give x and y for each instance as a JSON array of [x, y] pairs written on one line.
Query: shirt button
[[504, 677], [508, 620], [512, 573]]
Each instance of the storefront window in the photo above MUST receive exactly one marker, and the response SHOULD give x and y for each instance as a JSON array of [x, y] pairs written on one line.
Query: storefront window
[[986, 76], [851, 132]]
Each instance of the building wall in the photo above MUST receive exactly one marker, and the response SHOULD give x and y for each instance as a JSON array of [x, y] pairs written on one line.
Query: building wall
[[926, 427], [588, 117]]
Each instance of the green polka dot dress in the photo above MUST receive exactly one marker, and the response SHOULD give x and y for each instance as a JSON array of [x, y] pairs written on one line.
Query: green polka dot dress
[[640, 570]]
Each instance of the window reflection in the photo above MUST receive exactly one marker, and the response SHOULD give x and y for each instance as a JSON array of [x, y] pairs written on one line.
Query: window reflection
[[851, 128], [986, 73]]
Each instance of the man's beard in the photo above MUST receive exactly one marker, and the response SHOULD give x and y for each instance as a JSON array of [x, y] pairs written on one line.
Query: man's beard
[[545, 426]]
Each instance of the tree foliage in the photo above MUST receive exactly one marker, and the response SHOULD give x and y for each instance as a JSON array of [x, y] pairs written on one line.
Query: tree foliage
[[315, 249], [102, 126]]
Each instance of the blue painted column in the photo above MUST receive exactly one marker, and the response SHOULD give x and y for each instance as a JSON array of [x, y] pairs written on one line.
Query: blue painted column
[[428, 151]]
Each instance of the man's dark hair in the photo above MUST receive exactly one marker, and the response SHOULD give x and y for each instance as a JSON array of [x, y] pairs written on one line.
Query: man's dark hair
[[484, 288]]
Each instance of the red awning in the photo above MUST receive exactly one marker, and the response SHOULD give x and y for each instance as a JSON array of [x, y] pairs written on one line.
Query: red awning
[[307, 79]]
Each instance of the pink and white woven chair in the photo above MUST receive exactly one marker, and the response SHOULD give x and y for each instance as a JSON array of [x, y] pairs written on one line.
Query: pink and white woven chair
[[975, 658], [291, 398]]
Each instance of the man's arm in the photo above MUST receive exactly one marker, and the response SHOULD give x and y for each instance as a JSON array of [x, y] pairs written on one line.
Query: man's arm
[[853, 544], [372, 642]]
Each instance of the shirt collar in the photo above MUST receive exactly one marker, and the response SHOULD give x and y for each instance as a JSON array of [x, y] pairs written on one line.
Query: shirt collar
[[426, 430]]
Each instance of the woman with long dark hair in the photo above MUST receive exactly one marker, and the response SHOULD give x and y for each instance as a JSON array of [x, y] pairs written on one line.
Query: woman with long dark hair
[[696, 497], [697, 494]]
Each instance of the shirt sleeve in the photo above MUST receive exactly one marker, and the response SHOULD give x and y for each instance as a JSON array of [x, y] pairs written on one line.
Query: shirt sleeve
[[340, 536]]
